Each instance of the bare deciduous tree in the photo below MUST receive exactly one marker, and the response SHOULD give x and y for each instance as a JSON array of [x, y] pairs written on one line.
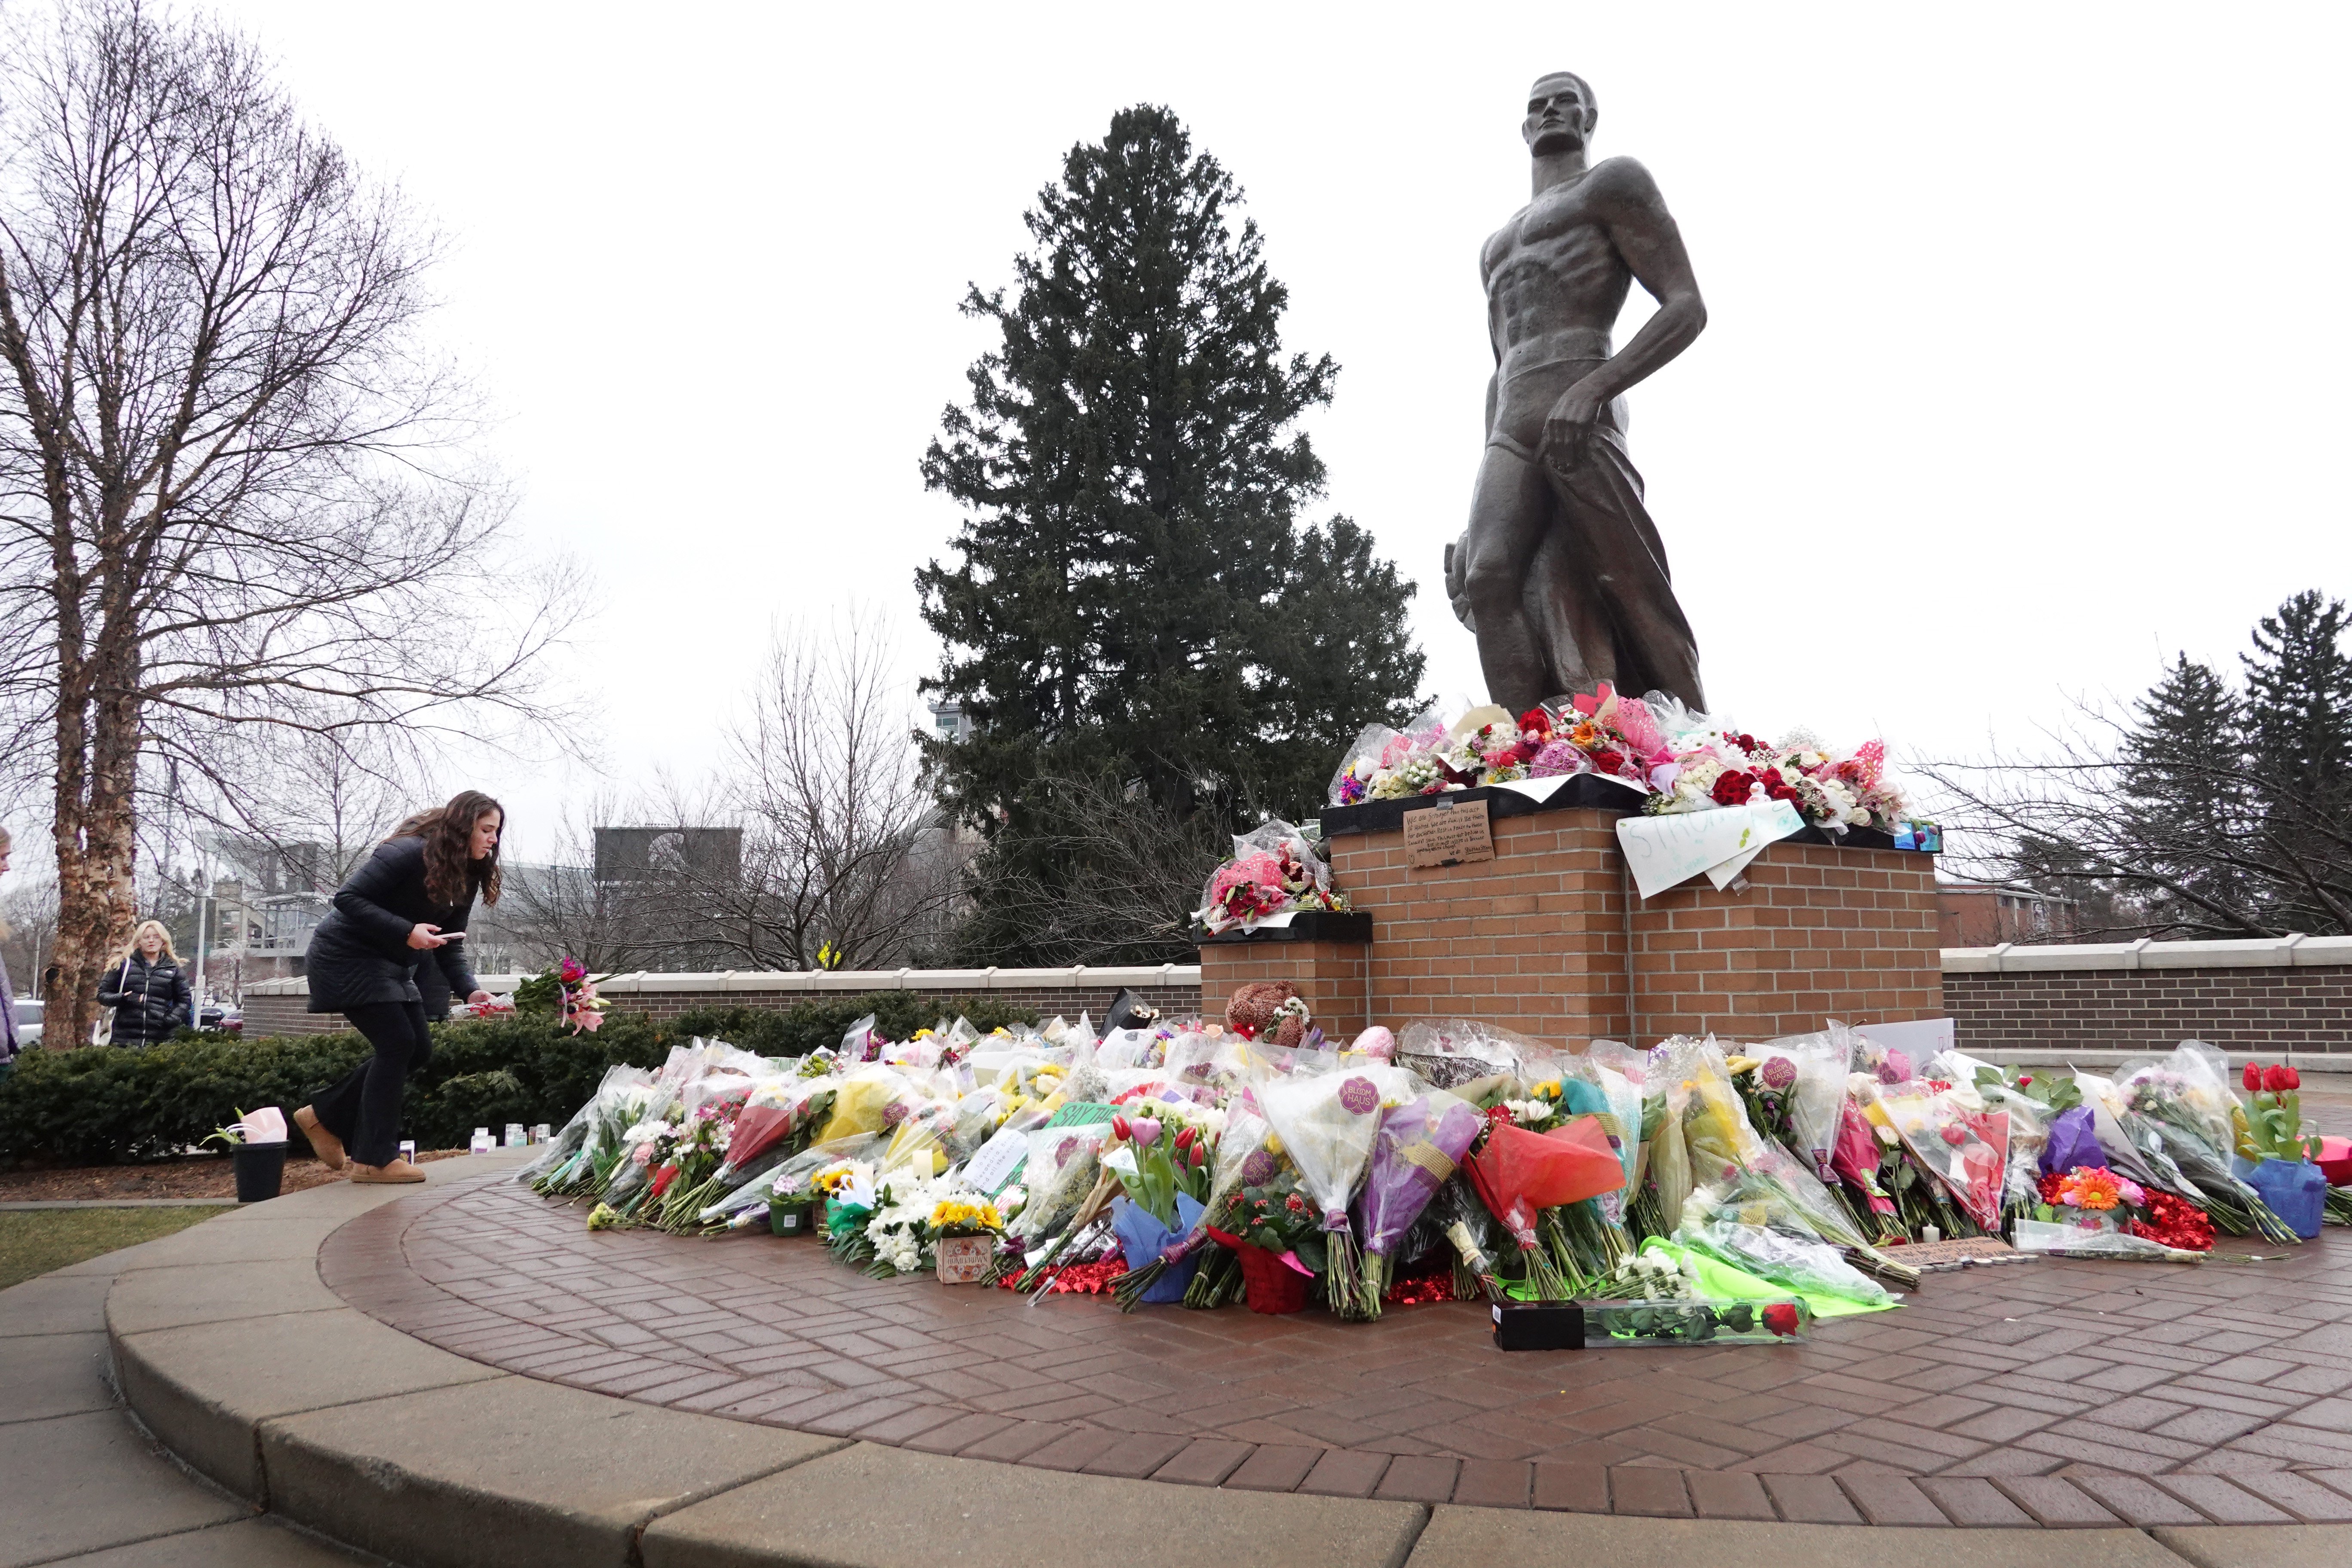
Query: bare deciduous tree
[[1127, 874], [215, 434], [847, 861], [666, 917], [2205, 848]]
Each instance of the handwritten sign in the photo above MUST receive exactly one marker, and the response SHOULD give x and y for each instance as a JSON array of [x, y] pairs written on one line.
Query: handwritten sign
[[1449, 835], [1666, 851], [997, 1160]]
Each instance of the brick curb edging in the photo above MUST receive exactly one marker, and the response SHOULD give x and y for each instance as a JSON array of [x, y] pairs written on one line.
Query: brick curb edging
[[365, 1263]]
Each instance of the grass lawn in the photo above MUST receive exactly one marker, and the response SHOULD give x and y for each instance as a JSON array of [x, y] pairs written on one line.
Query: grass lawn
[[34, 1241]]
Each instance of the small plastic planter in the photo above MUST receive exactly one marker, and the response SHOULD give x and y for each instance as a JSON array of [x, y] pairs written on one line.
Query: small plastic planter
[[260, 1170]]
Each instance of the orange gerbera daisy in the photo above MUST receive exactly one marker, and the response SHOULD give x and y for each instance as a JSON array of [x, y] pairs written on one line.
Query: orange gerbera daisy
[[2089, 1187]]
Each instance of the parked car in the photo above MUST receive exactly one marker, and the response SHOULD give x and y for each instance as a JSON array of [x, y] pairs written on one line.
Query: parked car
[[216, 1018], [28, 1021]]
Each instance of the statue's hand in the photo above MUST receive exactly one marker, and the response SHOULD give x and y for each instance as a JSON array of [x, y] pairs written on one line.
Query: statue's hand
[[1457, 580], [1568, 427]]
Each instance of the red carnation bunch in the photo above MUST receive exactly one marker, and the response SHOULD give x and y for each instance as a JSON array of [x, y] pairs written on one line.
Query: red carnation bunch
[[2176, 1223], [1731, 787]]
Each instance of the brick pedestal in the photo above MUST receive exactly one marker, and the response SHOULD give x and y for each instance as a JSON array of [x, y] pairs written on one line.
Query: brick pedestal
[[1325, 958], [1820, 932], [1549, 938], [1533, 940]]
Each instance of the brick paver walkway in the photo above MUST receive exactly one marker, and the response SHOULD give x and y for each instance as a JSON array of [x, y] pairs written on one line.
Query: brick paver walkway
[[2050, 1392]]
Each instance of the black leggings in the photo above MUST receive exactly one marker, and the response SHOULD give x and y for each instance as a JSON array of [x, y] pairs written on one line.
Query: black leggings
[[363, 1111]]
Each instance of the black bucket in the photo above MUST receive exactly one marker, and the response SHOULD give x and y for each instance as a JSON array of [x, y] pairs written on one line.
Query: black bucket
[[260, 1170]]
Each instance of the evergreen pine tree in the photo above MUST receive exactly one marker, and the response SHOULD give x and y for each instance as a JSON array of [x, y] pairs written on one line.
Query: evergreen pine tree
[[2299, 698], [2185, 795], [1136, 598], [2299, 730]]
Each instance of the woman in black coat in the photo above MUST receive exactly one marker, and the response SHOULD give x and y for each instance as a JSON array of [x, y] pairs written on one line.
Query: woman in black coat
[[146, 988], [406, 907]]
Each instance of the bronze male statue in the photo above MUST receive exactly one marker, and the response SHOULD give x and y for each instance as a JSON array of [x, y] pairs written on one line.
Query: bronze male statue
[[1561, 574]]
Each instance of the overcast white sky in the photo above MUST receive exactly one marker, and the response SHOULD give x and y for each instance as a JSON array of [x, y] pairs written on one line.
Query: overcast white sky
[[2025, 364]]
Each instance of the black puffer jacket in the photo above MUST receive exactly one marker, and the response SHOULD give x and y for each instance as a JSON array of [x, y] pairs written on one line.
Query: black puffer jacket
[[149, 1000], [360, 954]]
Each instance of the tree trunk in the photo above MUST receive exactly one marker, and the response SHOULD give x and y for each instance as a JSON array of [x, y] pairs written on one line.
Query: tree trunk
[[97, 845]]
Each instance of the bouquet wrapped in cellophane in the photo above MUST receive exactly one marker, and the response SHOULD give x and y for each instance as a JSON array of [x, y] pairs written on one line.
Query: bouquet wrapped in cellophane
[[1419, 1146], [1327, 1123]]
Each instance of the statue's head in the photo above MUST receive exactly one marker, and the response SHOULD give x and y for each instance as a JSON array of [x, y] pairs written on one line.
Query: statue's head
[[1561, 112]]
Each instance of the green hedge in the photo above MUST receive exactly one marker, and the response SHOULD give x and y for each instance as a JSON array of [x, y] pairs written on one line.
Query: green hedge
[[100, 1105]]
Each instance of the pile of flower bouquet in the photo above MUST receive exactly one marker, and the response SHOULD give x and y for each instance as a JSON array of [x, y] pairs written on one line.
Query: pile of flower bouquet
[[1276, 868], [1676, 760], [1206, 1165]]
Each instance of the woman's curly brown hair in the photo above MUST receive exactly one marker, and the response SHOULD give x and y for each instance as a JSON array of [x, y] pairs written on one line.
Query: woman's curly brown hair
[[450, 871]]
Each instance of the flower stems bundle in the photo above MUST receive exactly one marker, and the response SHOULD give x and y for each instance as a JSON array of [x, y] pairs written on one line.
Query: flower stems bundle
[[1159, 1172], [1089, 1227], [1217, 1282], [1586, 1243], [2203, 1177], [1519, 1174], [1464, 1218], [1007, 1262]]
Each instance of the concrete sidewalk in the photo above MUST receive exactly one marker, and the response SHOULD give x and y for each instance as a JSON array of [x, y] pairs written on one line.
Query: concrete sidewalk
[[260, 1374], [79, 1482]]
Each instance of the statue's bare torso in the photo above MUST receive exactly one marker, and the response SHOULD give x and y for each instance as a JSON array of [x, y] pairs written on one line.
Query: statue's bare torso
[[1556, 283], [1553, 277]]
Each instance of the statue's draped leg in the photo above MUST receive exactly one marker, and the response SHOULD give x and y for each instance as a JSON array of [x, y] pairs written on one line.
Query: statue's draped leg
[[1626, 618]]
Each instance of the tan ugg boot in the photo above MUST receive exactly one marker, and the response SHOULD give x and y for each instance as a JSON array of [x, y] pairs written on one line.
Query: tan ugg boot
[[323, 1143], [398, 1170]]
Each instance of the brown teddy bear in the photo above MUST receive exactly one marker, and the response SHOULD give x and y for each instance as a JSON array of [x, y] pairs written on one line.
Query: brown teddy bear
[[1269, 1010]]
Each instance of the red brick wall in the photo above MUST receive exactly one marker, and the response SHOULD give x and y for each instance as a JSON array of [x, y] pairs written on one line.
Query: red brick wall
[[1046, 1000], [1819, 932], [1533, 939], [2255, 1009], [1537, 939]]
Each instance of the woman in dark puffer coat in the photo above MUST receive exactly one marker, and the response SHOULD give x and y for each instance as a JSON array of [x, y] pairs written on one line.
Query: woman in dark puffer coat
[[406, 907], [146, 988]]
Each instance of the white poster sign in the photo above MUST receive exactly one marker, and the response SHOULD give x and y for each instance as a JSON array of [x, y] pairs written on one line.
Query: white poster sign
[[997, 1160], [1664, 852]]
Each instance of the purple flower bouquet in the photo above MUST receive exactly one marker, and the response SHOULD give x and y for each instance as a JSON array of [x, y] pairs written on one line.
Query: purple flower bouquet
[[1417, 1147]]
